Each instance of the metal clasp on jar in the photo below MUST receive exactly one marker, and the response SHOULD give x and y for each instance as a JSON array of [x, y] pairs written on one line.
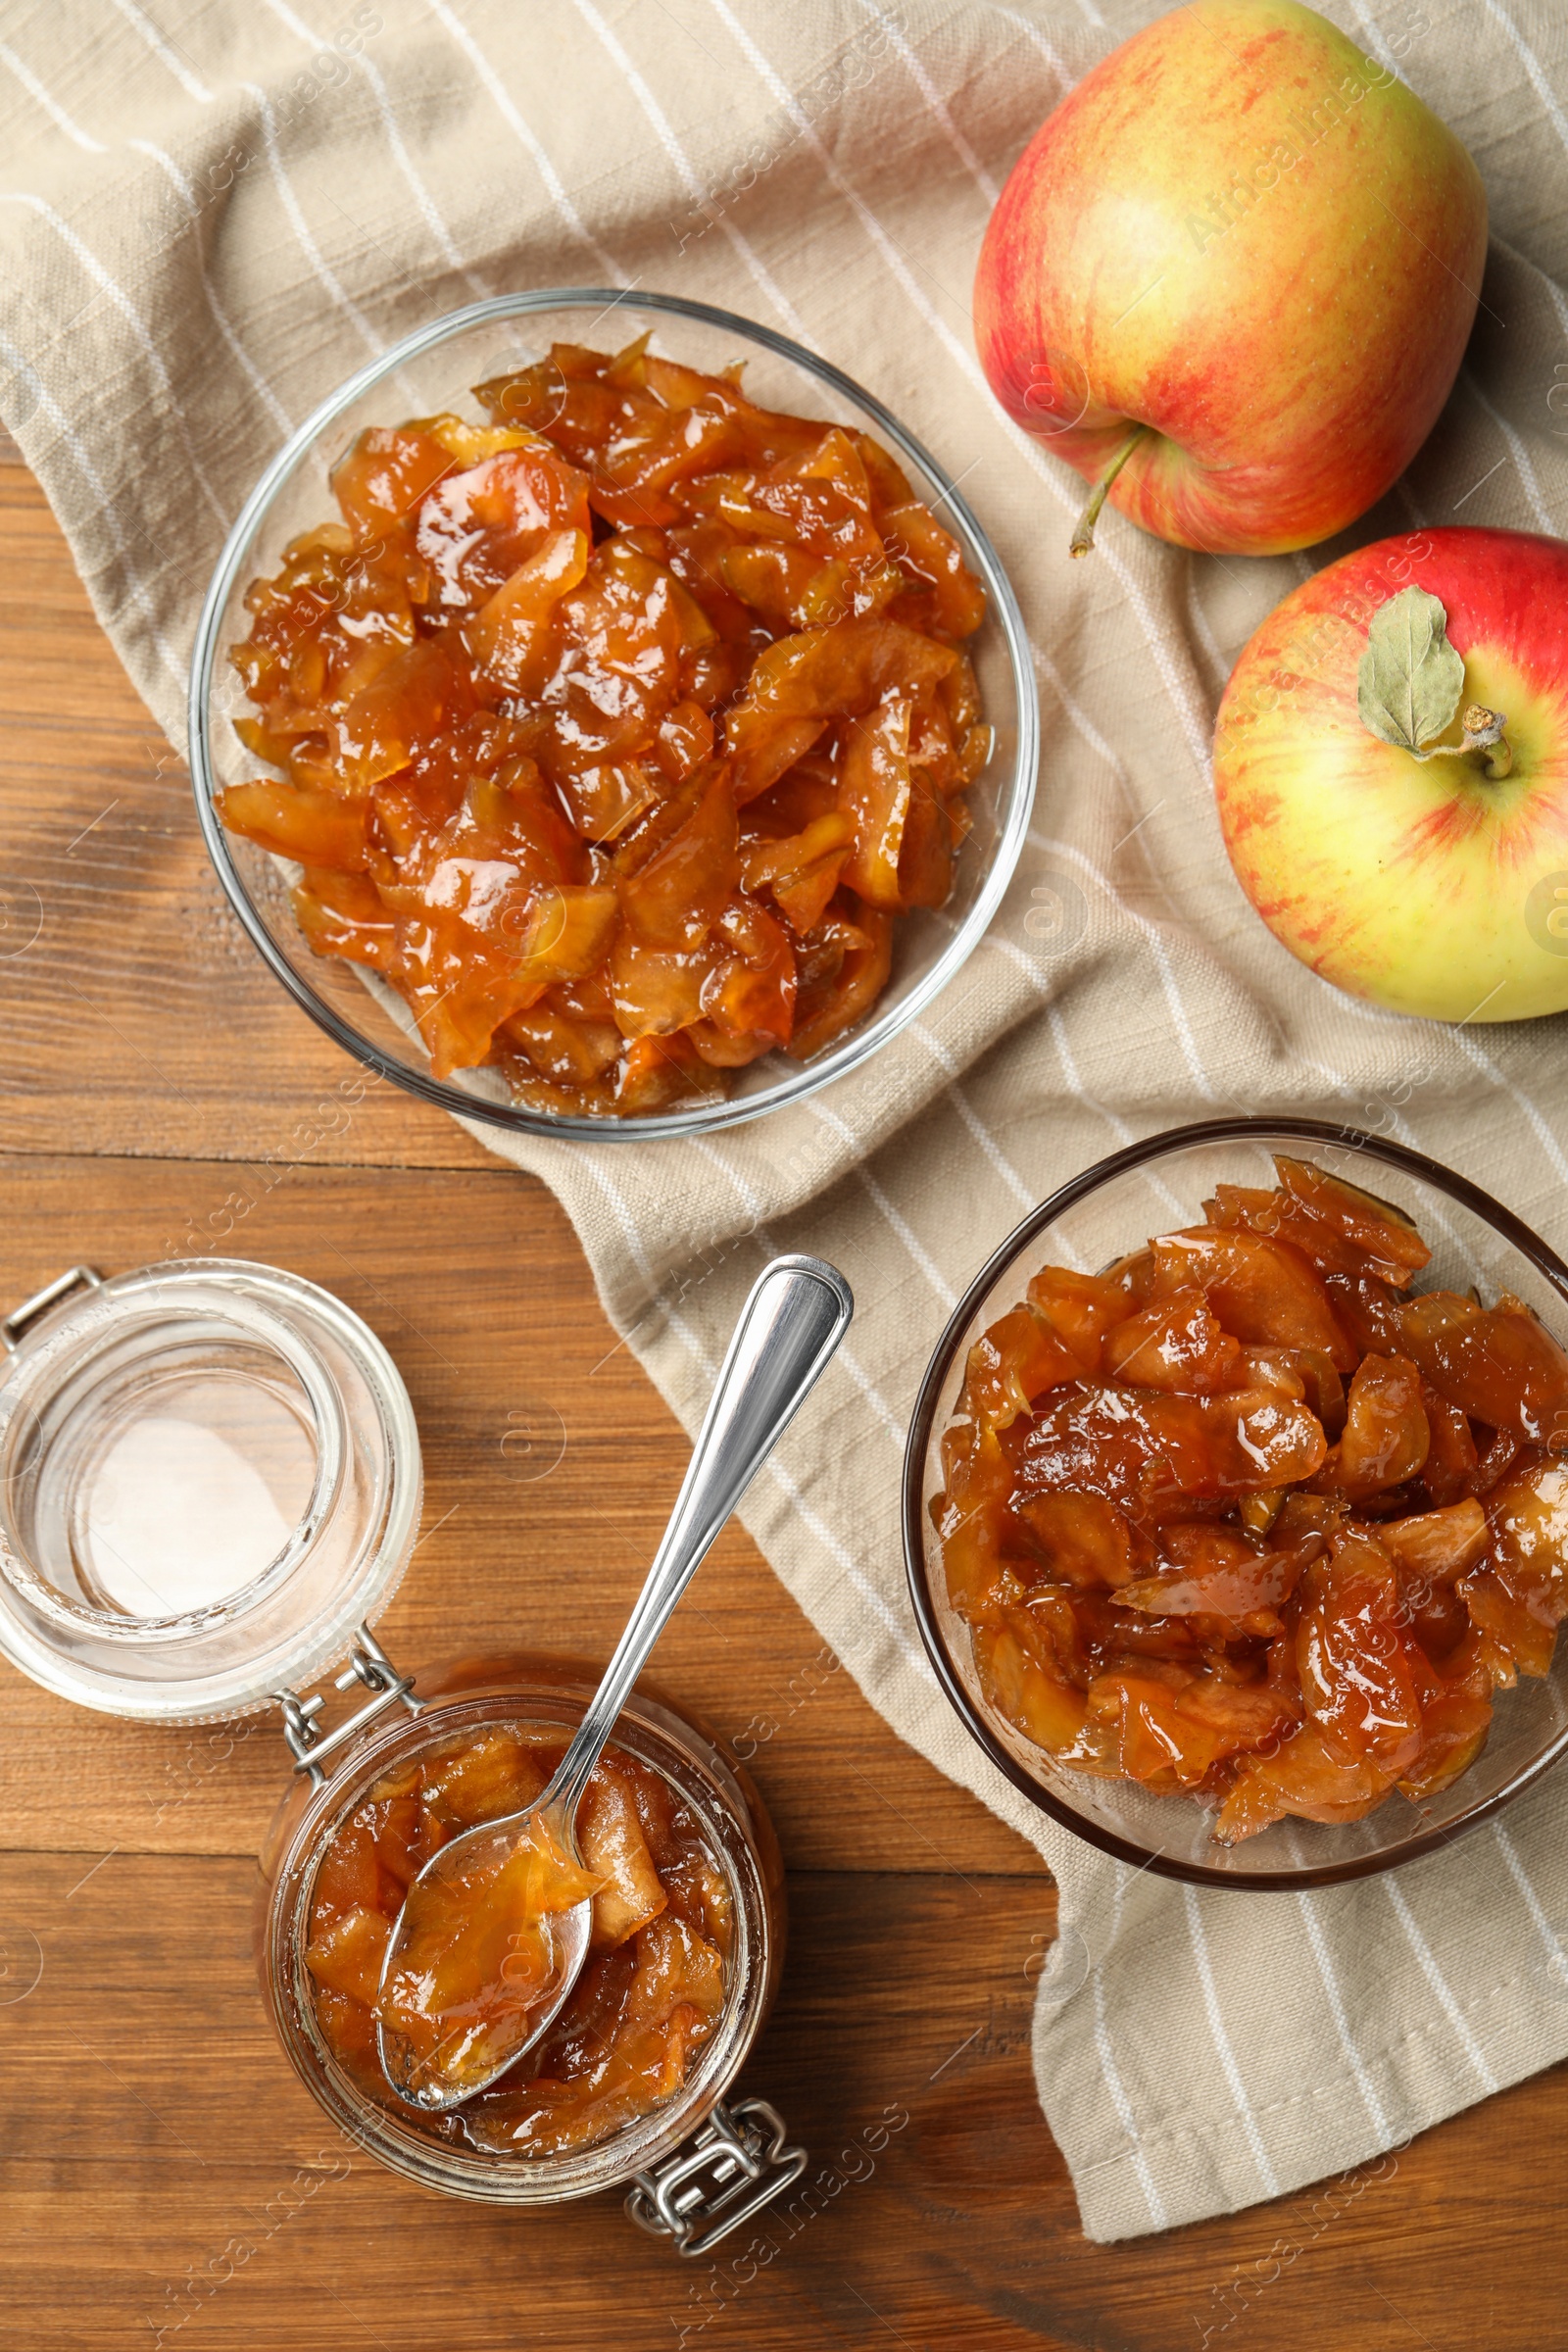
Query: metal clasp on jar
[[368, 1664], [737, 2164], [15, 1325]]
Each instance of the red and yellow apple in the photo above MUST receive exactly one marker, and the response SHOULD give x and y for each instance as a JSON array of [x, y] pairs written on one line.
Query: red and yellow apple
[[1243, 235], [1427, 885]]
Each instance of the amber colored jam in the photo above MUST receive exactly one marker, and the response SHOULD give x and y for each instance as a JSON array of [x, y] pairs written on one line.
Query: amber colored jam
[[651, 1991], [615, 735], [1246, 1518], [478, 1962]]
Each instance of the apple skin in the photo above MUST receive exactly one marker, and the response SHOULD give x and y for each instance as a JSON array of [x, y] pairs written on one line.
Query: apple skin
[[1283, 300], [1419, 884]]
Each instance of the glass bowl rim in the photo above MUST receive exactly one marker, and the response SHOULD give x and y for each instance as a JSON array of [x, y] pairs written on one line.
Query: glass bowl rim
[[1165, 1145], [705, 1117]]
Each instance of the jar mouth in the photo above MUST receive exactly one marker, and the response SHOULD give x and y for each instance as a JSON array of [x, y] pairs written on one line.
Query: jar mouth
[[172, 1433], [454, 2166], [209, 1477]]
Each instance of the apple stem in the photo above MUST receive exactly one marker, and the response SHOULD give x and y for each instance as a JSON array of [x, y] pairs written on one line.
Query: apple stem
[[1485, 746], [1483, 733], [1083, 538]]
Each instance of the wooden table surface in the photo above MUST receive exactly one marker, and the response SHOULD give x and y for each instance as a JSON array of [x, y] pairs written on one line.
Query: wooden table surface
[[164, 2177]]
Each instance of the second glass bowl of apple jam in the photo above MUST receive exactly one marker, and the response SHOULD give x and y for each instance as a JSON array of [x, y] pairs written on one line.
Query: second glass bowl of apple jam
[[687, 1951], [1478, 1253]]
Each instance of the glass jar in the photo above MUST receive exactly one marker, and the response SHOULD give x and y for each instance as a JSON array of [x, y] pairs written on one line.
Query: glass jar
[[210, 1486], [694, 2168], [209, 1475]]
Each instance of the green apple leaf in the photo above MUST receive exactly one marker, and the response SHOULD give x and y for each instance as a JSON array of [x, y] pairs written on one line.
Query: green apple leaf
[[1410, 678]]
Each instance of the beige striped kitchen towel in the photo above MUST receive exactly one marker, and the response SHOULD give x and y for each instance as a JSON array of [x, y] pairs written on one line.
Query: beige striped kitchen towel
[[210, 212]]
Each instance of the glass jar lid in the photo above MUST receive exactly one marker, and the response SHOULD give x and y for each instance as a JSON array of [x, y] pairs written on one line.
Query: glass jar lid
[[209, 1477]]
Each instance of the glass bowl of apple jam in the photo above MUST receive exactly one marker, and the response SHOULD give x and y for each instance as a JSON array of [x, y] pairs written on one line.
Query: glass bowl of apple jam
[[607, 720], [1235, 1506], [627, 2087]]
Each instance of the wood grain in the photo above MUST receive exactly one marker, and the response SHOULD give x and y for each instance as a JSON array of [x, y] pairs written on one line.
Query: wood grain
[[137, 1016], [162, 2178], [221, 2208]]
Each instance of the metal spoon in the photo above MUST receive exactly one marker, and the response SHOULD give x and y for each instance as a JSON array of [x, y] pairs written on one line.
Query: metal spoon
[[795, 1317]]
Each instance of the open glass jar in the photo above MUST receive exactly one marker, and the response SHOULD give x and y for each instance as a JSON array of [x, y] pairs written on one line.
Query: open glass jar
[[210, 1486], [209, 1477], [694, 2168]]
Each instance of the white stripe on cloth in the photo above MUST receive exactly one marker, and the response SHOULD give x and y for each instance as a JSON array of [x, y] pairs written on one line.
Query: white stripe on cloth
[[1111, 2073], [914, 1656], [400, 155], [1079, 716], [760, 271], [1557, 1959], [1024, 1194], [1457, 1033], [1076, 1086], [1488, 1067], [166, 53], [936, 105], [1374, 33], [1119, 1126], [1440, 1984], [1222, 2043], [751, 1202], [1342, 2023], [241, 356], [1527, 481], [61, 424], [375, 343], [453, 25], [1037, 40], [874, 1192], [1161, 955], [51, 107], [108, 286], [1533, 67]]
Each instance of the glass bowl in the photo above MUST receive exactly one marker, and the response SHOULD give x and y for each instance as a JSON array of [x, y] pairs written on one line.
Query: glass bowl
[[433, 369], [1155, 1187]]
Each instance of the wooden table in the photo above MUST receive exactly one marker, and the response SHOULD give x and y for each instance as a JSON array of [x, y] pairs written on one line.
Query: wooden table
[[165, 2179]]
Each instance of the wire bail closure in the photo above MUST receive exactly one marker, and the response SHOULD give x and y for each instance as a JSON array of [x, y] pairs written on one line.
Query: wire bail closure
[[737, 2164], [75, 1278], [369, 1664]]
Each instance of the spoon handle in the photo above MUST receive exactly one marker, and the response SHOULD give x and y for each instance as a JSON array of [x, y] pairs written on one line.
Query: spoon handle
[[798, 1311]]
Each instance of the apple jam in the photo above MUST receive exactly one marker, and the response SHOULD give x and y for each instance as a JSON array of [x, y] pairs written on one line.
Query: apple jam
[[650, 1990], [1246, 1518], [477, 1960], [616, 734]]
